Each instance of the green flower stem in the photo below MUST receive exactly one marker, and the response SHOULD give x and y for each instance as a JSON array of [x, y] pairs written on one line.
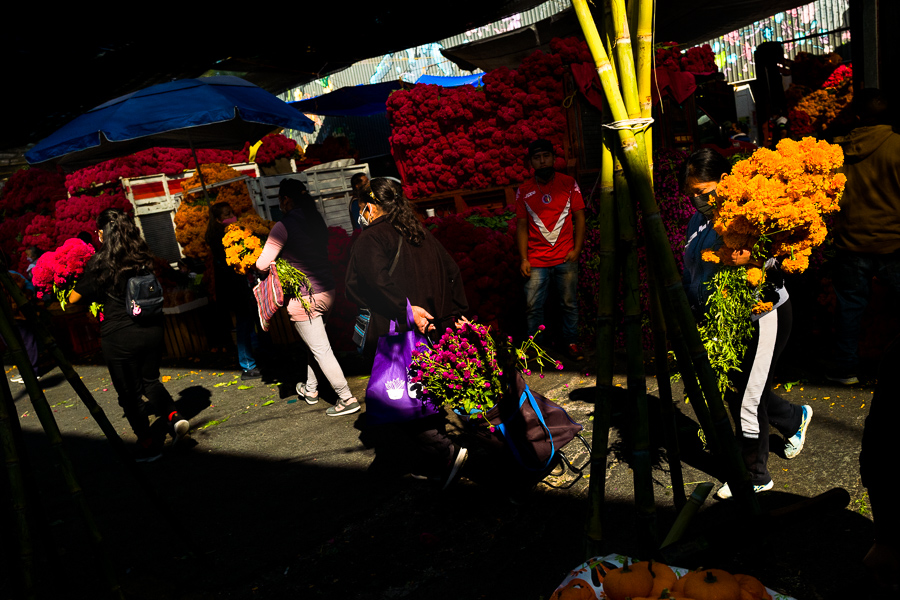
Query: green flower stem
[[293, 280]]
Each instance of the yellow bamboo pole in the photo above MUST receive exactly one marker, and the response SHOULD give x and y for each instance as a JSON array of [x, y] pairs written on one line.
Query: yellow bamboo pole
[[644, 61]]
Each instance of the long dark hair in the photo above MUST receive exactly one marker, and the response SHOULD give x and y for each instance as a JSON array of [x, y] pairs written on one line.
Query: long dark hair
[[124, 252], [215, 231], [704, 165], [313, 224], [388, 194]]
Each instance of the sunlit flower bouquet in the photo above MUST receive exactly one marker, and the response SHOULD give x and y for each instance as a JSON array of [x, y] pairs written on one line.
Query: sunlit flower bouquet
[[771, 205], [462, 370], [243, 249], [57, 271]]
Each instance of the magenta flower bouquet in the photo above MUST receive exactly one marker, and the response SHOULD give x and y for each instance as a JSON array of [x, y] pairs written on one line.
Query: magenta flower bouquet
[[461, 371], [57, 271]]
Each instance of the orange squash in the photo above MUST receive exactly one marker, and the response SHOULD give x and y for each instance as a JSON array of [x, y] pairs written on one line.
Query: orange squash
[[627, 582], [752, 588], [574, 590], [711, 584]]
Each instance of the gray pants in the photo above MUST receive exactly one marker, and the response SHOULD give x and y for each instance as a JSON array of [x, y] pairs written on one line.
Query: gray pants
[[313, 333]]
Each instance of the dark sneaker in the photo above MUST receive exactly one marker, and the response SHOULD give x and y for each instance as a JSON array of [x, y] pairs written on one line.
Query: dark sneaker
[[301, 391], [842, 378], [178, 427], [343, 407], [455, 467], [148, 450], [575, 352], [253, 373]]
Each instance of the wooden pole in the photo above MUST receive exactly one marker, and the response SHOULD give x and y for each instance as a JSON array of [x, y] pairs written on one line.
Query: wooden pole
[[51, 429]]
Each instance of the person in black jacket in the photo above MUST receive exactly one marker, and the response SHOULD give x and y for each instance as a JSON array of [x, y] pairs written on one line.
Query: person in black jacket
[[425, 275], [132, 349]]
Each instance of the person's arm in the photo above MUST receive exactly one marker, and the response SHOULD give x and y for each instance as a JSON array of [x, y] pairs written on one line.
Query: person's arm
[[274, 244], [522, 244], [578, 230]]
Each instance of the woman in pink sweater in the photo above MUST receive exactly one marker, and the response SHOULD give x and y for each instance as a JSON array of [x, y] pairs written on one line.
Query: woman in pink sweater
[[301, 238]]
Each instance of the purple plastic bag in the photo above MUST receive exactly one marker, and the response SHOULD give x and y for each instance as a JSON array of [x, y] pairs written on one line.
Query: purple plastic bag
[[389, 398]]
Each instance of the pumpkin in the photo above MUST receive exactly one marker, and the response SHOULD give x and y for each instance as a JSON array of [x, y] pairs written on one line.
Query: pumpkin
[[711, 584], [752, 588], [627, 582], [574, 590], [663, 576]]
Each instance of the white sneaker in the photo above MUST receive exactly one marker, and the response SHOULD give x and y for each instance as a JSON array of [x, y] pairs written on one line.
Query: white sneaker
[[17, 379], [794, 444], [725, 492]]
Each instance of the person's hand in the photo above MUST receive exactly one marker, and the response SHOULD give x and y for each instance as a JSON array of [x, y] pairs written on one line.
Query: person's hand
[[421, 316], [525, 268], [462, 321], [738, 258], [572, 256]]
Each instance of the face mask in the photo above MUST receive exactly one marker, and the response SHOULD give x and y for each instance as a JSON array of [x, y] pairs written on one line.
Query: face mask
[[229, 221], [363, 222], [546, 173], [701, 203]]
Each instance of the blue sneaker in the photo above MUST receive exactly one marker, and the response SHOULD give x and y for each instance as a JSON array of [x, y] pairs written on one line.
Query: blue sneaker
[[794, 444]]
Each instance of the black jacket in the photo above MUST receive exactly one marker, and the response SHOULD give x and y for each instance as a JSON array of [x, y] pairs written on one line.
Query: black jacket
[[425, 274]]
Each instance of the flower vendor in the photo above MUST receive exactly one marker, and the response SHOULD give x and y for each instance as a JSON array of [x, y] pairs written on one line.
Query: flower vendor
[[426, 276], [867, 227], [753, 404], [232, 289], [132, 349], [550, 235], [301, 238]]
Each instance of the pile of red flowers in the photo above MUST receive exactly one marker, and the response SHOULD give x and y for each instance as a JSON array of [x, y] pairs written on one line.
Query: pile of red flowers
[[57, 271], [28, 199], [274, 147], [698, 59], [819, 97], [446, 139], [482, 243]]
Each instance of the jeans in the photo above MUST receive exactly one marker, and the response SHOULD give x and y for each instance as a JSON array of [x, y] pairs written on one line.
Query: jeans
[[245, 329], [565, 279], [132, 356], [853, 274], [313, 334]]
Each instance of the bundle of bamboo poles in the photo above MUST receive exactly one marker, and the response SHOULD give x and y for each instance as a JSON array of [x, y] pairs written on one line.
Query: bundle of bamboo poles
[[626, 182]]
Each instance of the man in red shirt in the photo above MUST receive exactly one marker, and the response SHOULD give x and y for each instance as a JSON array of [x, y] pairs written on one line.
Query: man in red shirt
[[549, 235]]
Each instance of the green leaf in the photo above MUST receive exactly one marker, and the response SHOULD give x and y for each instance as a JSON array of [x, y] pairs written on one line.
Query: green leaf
[[268, 403], [245, 387], [789, 385]]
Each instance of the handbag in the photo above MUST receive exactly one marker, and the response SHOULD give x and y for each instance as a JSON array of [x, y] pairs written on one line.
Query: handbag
[[389, 397], [531, 427], [269, 297]]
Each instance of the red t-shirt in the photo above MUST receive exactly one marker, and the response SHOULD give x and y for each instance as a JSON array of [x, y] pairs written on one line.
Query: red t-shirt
[[548, 208]]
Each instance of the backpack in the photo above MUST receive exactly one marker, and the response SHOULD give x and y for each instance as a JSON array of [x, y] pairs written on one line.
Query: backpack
[[143, 297]]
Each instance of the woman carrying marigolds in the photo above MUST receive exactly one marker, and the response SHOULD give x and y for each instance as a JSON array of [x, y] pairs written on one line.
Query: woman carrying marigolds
[[753, 404]]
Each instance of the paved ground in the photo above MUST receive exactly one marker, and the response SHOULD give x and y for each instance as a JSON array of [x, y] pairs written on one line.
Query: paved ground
[[272, 499]]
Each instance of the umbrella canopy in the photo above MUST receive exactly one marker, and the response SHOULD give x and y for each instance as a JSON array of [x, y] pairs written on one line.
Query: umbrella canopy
[[212, 112]]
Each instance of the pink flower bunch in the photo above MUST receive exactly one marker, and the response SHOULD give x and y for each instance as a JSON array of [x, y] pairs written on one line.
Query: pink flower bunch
[[275, 147], [79, 213], [445, 139], [58, 270], [460, 371]]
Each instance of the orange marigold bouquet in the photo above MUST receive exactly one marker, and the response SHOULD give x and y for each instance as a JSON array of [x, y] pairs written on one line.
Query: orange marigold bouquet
[[772, 205], [242, 248]]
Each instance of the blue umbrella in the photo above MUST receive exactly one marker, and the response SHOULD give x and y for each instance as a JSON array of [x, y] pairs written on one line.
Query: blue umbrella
[[212, 112]]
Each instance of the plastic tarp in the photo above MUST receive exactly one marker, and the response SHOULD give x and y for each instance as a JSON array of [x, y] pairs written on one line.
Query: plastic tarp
[[356, 101], [452, 81], [212, 112]]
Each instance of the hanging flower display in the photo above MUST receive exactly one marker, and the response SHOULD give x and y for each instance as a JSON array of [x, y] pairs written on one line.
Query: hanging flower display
[[773, 205]]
